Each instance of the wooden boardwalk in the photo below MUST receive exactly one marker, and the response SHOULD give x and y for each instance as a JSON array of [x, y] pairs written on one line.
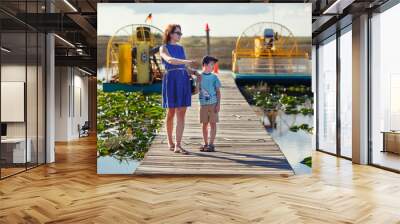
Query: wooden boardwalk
[[243, 147]]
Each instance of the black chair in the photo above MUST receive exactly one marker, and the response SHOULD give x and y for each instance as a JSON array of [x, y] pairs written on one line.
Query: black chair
[[84, 130]]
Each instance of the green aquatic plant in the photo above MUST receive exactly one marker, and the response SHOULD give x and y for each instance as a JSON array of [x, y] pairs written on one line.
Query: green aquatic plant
[[291, 100], [307, 111], [127, 123], [307, 161], [304, 127], [294, 128]]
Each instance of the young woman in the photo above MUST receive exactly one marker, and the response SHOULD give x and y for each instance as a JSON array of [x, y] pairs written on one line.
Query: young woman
[[176, 88]]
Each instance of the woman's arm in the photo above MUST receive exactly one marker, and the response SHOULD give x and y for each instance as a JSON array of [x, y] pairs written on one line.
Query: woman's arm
[[171, 60]]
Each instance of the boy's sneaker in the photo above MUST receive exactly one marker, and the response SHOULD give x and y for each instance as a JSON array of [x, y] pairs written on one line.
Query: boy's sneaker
[[210, 148]]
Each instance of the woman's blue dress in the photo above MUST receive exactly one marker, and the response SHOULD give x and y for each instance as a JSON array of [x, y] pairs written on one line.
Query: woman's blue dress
[[176, 89]]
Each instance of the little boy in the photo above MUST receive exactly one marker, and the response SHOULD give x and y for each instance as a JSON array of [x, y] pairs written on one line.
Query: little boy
[[209, 98]]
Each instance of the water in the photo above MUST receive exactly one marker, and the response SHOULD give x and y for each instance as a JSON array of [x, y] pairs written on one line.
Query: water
[[110, 165], [101, 73], [295, 145]]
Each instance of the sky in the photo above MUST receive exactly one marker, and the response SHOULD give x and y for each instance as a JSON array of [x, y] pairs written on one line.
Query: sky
[[224, 19]]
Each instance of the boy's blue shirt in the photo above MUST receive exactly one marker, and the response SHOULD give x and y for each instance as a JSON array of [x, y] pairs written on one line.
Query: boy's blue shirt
[[208, 88]]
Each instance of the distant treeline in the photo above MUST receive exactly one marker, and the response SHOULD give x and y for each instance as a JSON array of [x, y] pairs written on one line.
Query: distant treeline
[[195, 48]]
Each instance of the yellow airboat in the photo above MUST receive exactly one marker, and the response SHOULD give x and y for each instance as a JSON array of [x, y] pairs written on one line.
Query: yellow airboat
[[264, 51], [133, 62], [269, 51]]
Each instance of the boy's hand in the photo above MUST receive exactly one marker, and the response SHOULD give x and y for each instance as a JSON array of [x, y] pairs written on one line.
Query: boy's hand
[[217, 108]]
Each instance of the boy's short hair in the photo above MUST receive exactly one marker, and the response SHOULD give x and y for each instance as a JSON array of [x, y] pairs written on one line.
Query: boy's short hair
[[207, 59]]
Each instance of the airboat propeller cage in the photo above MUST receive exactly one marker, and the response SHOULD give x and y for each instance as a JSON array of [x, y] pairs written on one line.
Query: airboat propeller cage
[[268, 48], [131, 54]]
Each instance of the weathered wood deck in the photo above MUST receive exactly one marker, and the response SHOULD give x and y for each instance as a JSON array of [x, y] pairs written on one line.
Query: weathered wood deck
[[243, 146]]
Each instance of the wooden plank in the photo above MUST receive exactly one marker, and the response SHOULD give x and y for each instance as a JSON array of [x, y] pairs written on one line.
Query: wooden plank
[[243, 146]]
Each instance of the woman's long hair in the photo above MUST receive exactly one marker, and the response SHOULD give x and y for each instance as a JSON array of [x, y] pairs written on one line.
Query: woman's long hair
[[170, 29]]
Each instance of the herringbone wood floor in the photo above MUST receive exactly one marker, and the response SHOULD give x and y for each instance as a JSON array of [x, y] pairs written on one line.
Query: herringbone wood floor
[[70, 191]]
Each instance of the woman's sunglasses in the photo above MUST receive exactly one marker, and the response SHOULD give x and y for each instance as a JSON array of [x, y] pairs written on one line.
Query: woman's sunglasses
[[179, 33]]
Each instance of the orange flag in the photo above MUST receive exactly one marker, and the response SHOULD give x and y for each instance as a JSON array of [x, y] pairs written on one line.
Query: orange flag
[[148, 18], [216, 69]]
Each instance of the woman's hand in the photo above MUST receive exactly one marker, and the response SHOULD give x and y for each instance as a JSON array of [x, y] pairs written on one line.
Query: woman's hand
[[189, 62], [193, 71], [193, 64], [198, 77]]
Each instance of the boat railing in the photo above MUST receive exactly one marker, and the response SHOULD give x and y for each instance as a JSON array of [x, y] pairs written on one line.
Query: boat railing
[[273, 66]]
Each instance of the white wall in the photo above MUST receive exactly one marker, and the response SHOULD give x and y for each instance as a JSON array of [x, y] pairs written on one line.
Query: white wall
[[33, 127], [71, 93], [14, 73], [80, 98], [62, 82]]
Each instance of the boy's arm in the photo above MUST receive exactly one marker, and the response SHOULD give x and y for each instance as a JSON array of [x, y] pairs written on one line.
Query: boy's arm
[[217, 106], [217, 90]]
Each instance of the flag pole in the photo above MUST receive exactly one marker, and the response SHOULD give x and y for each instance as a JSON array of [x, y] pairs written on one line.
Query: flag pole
[[208, 38]]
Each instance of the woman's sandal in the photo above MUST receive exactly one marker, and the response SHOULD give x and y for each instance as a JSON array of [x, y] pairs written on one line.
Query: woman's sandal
[[203, 148], [180, 150]]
